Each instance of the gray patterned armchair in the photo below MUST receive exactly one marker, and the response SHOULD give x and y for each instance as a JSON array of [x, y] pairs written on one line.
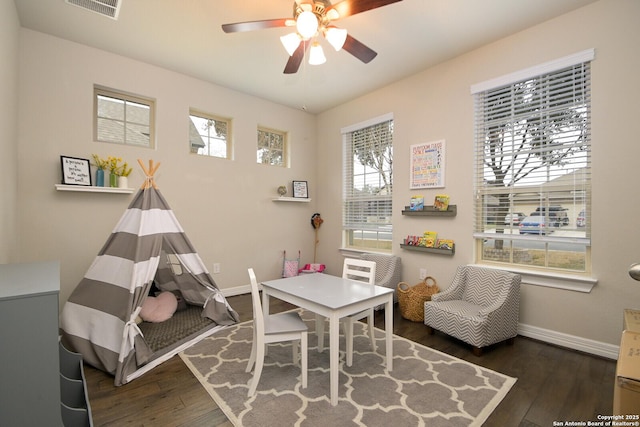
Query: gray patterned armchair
[[481, 307], [388, 271]]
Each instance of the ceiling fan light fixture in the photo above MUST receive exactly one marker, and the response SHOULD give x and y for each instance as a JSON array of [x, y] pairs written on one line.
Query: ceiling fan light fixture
[[316, 54], [307, 24], [336, 37], [290, 42], [333, 14]]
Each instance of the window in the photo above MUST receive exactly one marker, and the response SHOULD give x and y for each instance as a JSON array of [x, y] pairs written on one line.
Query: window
[[272, 146], [209, 135], [368, 185], [533, 155], [123, 118]]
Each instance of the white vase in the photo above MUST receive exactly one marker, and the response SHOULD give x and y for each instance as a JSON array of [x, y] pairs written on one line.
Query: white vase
[[123, 182]]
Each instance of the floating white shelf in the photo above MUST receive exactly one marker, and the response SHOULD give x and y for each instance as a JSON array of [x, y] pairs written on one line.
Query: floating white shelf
[[93, 189], [291, 199]]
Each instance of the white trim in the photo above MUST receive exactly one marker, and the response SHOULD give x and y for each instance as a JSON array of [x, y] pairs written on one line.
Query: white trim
[[367, 123], [238, 290], [547, 67], [572, 342], [569, 282]]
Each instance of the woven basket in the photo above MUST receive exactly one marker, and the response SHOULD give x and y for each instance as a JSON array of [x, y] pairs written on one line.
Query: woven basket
[[411, 299]]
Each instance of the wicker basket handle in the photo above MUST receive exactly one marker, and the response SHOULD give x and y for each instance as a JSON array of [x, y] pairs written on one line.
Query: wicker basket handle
[[403, 287], [429, 278]]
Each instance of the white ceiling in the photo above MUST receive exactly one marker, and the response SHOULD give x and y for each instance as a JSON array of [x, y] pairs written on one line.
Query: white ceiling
[[185, 36]]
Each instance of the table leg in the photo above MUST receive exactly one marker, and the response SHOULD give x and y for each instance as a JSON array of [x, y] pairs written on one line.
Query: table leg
[[334, 342], [265, 304], [388, 326], [320, 332]]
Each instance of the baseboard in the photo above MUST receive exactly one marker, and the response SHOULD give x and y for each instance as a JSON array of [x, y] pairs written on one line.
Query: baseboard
[[597, 348], [238, 290], [585, 345]]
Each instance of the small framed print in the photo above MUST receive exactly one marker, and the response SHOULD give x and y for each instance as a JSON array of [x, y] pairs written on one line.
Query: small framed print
[[75, 171], [300, 189]]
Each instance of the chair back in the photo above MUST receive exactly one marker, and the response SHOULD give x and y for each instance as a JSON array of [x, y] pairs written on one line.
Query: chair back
[[484, 286], [360, 270], [258, 314]]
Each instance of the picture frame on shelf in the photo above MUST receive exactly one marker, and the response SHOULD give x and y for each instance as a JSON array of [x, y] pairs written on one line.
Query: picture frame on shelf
[[300, 190], [75, 171]]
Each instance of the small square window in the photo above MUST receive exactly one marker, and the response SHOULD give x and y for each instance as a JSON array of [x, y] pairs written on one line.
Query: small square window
[[272, 147], [209, 135], [122, 118]]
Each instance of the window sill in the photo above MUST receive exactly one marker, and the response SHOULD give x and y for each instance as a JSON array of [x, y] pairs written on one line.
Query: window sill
[[357, 252], [568, 282]]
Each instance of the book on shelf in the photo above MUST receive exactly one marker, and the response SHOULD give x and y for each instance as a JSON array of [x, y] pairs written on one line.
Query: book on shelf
[[416, 203], [445, 244], [430, 239], [441, 203]]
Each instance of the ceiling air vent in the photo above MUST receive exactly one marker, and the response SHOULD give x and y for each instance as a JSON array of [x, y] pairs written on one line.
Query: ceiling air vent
[[109, 8]]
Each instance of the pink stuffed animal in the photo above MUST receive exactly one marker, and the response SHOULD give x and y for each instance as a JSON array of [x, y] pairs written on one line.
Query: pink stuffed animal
[[160, 308]]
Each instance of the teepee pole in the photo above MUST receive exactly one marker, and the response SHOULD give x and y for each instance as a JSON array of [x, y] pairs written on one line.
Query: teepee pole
[[149, 174]]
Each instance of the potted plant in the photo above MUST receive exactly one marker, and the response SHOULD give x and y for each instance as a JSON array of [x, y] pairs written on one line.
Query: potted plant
[[123, 175]]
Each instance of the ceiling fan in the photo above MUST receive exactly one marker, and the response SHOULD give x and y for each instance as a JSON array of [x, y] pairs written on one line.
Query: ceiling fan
[[311, 19]]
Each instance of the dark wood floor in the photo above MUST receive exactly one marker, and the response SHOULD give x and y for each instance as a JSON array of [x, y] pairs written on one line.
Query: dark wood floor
[[554, 384]]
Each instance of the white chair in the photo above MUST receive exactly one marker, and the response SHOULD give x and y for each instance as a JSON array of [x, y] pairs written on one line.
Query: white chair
[[271, 329], [363, 271]]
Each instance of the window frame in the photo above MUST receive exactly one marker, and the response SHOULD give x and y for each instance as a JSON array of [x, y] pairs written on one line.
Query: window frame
[[127, 98], [350, 225], [285, 147], [228, 137], [549, 70]]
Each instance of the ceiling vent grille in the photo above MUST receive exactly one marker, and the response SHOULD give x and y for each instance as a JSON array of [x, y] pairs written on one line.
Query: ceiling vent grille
[[109, 8]]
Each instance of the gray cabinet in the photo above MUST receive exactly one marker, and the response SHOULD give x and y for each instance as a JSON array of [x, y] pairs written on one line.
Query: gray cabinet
[[29, 361]]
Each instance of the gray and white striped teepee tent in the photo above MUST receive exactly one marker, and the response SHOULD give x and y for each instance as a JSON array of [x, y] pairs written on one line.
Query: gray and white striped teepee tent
[[148, 246]]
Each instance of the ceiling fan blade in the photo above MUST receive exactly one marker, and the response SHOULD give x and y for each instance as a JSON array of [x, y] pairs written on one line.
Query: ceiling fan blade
[[359, 50], [293, 64], [254, 25], [351, 7]]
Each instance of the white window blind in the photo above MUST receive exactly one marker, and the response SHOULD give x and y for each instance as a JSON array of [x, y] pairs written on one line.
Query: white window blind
[[368, 185], [532, 150]]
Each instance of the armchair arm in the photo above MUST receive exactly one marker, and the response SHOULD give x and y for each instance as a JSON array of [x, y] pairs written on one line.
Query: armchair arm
[[502, 315], [456, 290]]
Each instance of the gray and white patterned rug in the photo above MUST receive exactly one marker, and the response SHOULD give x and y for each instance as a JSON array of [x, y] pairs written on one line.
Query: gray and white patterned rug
[[425, 388]]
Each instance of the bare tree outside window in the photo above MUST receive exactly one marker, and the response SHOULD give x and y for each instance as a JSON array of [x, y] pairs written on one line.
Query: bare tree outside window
[[271, 147], [368, 181], [533, 156]]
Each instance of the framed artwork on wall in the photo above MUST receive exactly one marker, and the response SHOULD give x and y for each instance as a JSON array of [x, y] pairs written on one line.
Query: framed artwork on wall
[[300, 189], [75, 171], [427, 165]]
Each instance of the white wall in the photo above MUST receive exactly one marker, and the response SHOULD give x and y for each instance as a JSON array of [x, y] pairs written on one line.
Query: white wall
[[224, 206], [436, 104], [9, 44]]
